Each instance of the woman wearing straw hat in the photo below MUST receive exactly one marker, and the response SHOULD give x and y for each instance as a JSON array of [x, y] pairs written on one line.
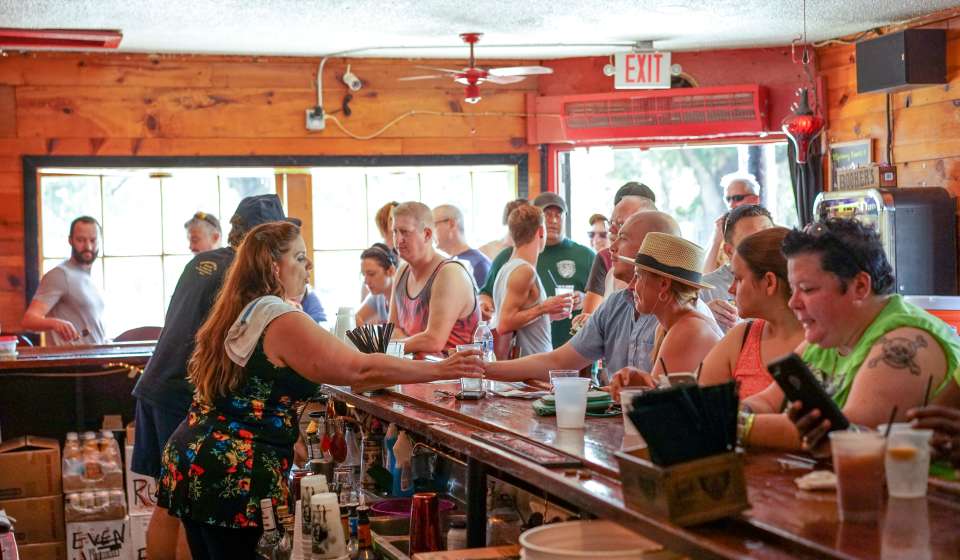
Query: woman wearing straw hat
[[667, 285]]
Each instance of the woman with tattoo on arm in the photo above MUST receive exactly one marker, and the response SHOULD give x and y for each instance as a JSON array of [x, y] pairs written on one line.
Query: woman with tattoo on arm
[[872, 350]]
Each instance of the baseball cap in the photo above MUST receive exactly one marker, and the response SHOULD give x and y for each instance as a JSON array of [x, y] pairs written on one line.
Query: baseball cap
[[634, 188], [260, 209], [547, 199]]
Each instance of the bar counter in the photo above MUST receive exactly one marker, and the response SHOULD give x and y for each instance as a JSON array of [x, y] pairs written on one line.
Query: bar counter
[[79, 358], [783, 522], [70, 387]]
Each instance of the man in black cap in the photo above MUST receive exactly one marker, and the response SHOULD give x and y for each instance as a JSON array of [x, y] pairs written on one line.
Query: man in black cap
[[563, 262], [163, 392]]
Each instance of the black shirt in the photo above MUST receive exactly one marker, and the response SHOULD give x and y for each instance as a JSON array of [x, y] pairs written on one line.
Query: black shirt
[[164, 382]]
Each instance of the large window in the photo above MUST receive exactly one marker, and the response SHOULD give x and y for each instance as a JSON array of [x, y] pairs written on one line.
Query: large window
[[345, 201], [686, 181], [143, 248]]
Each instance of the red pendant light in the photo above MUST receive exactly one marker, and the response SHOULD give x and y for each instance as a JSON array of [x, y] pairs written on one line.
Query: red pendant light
[[803, 126]]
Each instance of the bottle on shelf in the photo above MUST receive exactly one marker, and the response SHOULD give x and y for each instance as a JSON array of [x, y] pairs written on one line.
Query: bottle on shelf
[[365, 550], [270, 539], [72, 455]]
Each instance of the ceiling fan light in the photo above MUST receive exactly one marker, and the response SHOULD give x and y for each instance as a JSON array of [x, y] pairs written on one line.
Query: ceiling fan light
[[471, 93]]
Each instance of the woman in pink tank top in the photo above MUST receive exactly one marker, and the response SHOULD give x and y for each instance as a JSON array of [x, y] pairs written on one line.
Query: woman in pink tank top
[[762, 291]]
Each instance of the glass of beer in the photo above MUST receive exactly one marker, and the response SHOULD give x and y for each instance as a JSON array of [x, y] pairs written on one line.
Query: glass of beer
[[858, 464]]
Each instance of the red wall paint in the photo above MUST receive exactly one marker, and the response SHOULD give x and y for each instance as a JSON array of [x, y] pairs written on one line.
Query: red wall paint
[[770, 67]]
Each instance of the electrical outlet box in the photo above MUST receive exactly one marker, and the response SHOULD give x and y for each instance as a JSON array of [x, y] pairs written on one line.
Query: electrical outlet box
[[315, 119]]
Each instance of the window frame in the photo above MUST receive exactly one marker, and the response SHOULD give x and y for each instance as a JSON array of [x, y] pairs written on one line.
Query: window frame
[[33, 164]]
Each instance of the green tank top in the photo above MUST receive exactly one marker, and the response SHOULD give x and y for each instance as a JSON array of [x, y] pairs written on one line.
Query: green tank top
[[836, 372]]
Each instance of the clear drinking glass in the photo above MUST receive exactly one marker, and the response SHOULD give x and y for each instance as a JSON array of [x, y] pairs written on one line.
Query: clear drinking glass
[[907, 462], [858, 463], [631, 437], [471, 383]]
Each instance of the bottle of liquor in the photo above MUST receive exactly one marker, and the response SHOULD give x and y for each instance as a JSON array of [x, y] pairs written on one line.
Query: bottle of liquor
[[365, 550], [266, 547]]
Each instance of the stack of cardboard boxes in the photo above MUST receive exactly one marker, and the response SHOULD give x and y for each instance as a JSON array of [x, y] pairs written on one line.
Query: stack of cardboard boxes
[[30, 492], [141, 494], [95, 508]]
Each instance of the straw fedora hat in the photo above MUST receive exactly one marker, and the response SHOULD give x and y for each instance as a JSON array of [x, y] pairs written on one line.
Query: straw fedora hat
[[671, 256]]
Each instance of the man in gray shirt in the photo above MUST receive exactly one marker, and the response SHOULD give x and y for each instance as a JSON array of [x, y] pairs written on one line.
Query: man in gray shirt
[[67, 304]]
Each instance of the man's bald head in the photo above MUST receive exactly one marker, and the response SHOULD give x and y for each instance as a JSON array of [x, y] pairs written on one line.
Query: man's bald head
[[631, 237]]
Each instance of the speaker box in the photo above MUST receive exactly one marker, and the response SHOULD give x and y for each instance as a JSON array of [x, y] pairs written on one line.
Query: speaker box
[[910, 58]]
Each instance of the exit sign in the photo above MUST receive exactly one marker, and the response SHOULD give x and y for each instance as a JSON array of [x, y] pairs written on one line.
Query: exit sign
[[643, 70]]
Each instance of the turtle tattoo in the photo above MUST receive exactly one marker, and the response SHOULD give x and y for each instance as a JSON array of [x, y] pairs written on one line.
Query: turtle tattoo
[[900, 353]]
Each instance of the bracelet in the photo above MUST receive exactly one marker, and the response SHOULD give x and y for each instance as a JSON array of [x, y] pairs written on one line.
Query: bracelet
[[745, 422]]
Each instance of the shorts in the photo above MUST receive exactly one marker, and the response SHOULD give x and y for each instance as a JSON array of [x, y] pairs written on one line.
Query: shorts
[[154, 426]]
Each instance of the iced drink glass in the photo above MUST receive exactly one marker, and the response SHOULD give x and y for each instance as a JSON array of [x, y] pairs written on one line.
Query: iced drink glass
[[858, 464], [631, 437], [570, 394], [907, 462]]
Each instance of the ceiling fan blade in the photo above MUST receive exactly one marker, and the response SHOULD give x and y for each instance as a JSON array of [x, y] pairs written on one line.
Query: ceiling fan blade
[[503, 79], [436, 69], [411, 78], [520, 71]]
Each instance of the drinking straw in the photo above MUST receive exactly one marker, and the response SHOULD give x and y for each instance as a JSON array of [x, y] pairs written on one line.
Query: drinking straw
[[926, 394], [553, 279], [663, 365], [697, 374], [893, 414]]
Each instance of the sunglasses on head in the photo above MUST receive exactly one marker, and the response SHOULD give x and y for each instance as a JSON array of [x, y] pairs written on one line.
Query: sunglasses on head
[[601, 234], [736, 198]]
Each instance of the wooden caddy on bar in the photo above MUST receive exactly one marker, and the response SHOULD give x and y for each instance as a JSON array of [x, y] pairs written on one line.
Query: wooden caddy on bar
[[687, 493]]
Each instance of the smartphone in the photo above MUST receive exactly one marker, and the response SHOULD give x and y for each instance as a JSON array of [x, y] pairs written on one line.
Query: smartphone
[[799, 384], [470, 395]]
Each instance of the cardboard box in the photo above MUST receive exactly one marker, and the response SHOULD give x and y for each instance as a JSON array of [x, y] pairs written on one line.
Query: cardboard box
[[138, 533], [141, 490], [39, 520], [43, 551], [29, 468], [100, 540]]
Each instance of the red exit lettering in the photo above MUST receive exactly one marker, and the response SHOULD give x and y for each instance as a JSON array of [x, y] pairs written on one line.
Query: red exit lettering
[[642, 68]]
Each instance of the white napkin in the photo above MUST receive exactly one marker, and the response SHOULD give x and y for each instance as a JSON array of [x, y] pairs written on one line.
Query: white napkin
[[245, 332]]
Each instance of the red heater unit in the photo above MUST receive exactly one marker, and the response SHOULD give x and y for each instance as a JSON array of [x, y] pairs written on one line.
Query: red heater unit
[[58, 39], [648, 115]]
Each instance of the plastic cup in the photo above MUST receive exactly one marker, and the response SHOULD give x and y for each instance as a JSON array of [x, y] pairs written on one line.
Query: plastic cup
[[395, 349], [565, 290], [570, 394], [907, 462], [631, 437], [561, 373], [858, 464], [471, 383]]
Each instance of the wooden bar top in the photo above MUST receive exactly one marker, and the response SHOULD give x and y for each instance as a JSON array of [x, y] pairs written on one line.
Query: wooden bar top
[[783, 522], [80, 358]]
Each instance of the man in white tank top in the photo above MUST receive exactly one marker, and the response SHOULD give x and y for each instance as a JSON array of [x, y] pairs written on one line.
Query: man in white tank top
[[522, 307]]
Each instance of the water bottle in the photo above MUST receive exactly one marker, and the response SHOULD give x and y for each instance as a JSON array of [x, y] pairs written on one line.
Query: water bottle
[[484, 337], [345, 322]]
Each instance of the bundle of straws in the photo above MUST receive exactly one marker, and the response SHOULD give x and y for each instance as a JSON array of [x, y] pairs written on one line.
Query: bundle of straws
[[371, 339]]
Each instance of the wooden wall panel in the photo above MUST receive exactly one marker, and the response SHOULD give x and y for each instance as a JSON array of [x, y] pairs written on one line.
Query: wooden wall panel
[[926, 120], [184, 105]]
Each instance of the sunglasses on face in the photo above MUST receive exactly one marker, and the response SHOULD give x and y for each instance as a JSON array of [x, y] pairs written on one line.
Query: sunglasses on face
[[736, 198], [601, 234]]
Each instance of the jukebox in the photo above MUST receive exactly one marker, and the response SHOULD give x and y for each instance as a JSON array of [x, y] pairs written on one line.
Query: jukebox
[[917, 227]]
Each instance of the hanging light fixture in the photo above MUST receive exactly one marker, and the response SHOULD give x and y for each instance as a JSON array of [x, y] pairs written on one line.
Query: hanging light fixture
[[803, 125]]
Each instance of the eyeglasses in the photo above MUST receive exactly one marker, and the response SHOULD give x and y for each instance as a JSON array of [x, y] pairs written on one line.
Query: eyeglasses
[[736, 197], [601, 234]]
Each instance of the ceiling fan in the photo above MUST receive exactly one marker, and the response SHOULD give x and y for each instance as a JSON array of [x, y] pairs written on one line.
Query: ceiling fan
[[472, 76]]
